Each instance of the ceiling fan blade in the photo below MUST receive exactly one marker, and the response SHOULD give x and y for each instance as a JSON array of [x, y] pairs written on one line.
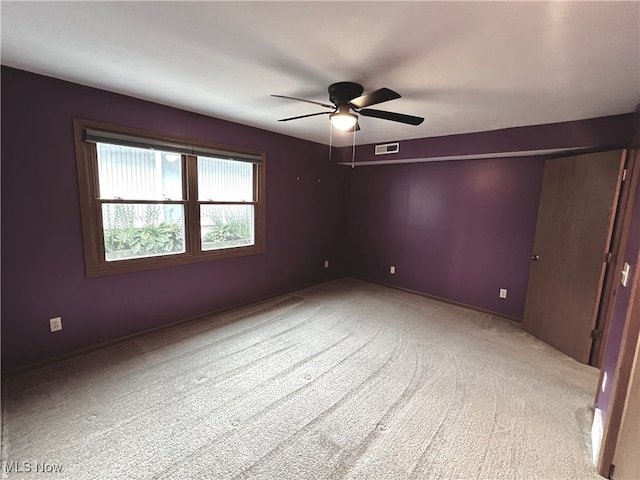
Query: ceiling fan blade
[[303, 100], [303, 116], [372, 98], [394, 117]]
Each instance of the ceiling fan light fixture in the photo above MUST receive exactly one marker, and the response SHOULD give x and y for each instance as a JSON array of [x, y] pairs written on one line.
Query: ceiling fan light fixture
[[343, 120]]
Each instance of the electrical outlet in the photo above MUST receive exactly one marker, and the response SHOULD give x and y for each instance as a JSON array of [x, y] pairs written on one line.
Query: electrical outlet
[[55, 324], [392, 270], [503, 293], [326, 264]]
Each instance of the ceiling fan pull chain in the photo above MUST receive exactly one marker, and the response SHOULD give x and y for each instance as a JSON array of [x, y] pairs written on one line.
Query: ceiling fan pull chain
[[330, 138], [353, 152]]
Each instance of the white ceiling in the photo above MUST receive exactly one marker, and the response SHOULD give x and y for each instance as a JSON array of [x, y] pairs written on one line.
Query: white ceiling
[[464, 66]]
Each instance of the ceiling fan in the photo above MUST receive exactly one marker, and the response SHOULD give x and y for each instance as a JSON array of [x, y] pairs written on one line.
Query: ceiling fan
[[347, 97]]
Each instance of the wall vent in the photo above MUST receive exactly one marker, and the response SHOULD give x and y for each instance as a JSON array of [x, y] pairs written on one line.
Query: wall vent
[[387, 148]]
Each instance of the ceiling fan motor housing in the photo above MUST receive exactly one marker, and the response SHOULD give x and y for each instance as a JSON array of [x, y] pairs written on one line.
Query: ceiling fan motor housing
[[342, 93]]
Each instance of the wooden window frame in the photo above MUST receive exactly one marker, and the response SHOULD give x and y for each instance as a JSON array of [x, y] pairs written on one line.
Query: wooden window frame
[[91, 213]]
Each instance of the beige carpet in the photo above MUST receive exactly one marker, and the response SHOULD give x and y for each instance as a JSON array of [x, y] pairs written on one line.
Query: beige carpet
[[342, 380]]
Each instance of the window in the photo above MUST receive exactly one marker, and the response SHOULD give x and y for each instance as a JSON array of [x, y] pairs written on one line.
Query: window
[[151, 201]]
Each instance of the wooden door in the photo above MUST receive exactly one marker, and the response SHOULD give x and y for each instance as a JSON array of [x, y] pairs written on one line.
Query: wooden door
[[573, 232]]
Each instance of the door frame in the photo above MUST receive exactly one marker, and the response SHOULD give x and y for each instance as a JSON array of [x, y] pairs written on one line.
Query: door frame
[[626, 450], [622, 377], [617, 248], [626, 355]]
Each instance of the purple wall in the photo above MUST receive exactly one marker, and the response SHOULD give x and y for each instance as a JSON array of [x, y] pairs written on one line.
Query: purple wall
[[604, 133], [42, 253], [458, 230], [461, 230]]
